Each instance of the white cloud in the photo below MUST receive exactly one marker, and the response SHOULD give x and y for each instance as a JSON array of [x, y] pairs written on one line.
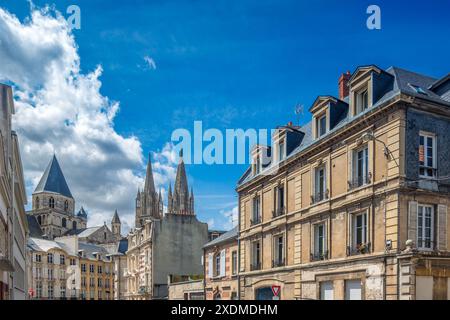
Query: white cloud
[[150, 63], [231, 217], [60, 109]]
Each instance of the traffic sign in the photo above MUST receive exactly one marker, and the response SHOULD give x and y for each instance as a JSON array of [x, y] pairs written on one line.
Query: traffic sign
[[276, 290]]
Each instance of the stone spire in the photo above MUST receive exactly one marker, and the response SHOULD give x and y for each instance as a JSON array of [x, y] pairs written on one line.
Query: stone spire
[[149, 186], [116, 225], [148, 203], [180, 201]]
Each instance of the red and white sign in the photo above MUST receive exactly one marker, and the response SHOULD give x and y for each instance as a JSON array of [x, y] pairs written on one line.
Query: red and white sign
[[276, 290], [31, 292]]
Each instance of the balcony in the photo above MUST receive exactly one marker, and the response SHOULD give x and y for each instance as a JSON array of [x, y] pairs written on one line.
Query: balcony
[[362, 248], [278, 263], [359, 181], [318, 256], [319, 196], [255, 221], [278, 212], [255, 266]]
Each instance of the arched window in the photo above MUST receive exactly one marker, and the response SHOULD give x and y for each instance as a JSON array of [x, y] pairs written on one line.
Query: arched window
[[74, 225], [37, 202], [39, 220], [51, 202], [64, 222], [66, 205], [104, 235]]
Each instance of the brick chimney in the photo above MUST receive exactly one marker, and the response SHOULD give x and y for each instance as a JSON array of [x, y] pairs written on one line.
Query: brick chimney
[[343, 85]]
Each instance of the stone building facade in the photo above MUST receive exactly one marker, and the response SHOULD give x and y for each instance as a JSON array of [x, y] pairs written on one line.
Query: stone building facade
[[221, 267], [67, 268], [166, 244], [354, 204], [13, 221]]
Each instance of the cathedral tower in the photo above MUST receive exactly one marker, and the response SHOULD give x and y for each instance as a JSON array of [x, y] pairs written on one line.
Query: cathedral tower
[[180, 201], [148, 202]]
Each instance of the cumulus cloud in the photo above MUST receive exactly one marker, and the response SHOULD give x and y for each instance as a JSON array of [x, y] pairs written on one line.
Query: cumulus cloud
[[59, 109], [231, 217]]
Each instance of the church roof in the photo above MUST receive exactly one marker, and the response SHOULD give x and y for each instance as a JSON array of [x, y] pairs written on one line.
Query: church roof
[[83, 232], [53, 180], [34, 227], [115, 218]]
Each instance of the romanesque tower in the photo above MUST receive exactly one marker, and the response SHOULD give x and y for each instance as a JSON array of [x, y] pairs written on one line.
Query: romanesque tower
[[53, 204], [148, 202]]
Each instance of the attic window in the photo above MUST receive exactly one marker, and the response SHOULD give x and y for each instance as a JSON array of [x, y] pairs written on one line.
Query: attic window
[[362, 101], [321, 125], [418, 89]]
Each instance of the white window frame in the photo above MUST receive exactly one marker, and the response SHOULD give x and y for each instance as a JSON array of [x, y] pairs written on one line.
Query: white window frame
[[359, 100], [365, 235], [316, 239], [426, 135], [256, 210], [281, 150], [254, 260], [319, 126], [355, 161], [421, 237], [276, 249], [316, 182]]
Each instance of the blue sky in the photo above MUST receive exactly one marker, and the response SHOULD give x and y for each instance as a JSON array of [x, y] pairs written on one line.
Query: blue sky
[[239, 64]]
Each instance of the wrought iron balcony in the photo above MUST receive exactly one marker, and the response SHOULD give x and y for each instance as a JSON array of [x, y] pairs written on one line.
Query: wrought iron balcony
[[318, 256], [319, 196], [278, 263], [255, 221], [278, 212], [362, 248], [359, 181], [255, 266]]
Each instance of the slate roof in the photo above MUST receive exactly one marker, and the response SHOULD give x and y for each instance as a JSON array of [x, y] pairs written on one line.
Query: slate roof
[[233, 233], [115, 218], [53, 180], [44, 245], [118, 248], [82, 233], [89, 250], [403, 83], [34, 227]]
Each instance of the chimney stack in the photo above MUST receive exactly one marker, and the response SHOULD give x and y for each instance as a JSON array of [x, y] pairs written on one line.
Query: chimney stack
[[343, 85]]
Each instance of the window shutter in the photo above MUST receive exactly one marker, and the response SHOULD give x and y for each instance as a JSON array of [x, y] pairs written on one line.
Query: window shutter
[[412, 221], [210, 265], [442, 228], [222, 263]]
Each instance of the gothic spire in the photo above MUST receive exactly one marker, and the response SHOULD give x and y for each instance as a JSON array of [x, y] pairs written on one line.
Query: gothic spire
[[149, 186]]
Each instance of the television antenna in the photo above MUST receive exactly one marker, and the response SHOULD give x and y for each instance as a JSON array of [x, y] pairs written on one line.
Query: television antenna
[[298, 110]]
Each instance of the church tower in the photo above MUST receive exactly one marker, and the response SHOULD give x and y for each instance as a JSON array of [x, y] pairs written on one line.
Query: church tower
[[180, 201], [116, 225], [53, 204], [148, 202]]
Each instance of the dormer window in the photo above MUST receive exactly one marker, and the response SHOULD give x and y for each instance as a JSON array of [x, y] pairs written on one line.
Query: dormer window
[[321, 126], [362, 101]]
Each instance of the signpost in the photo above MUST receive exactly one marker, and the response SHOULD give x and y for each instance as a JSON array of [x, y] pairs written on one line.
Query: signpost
[[276, 292]]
